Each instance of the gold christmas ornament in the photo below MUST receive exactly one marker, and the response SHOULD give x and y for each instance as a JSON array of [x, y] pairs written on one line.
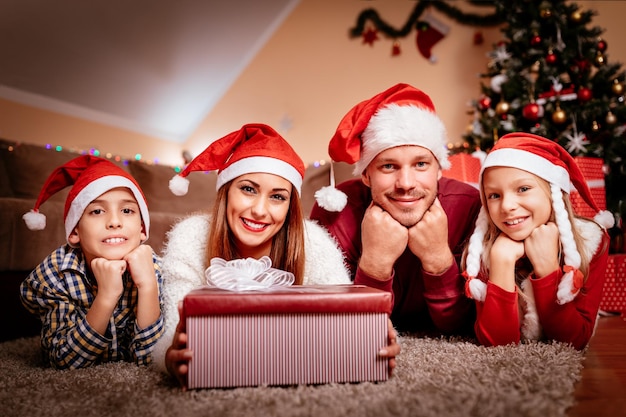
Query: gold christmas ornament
[[595, 126], [559, 116], [534, 69], [599, 59], [502, 107], [576, 16], [617, 87], [610, 118]]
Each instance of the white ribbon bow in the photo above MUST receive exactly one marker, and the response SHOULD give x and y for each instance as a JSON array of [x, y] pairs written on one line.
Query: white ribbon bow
[[246, 275]]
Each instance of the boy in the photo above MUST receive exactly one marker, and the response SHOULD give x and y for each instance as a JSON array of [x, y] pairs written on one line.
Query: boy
[[98, 296]]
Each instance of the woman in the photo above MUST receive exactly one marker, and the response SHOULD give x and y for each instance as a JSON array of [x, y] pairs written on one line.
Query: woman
[[257, 213], [535, 269]]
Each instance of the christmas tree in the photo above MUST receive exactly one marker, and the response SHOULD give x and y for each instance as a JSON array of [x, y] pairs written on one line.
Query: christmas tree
[[551, 76]]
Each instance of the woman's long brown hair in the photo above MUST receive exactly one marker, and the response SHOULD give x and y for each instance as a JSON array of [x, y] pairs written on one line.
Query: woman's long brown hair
[[287, 251]]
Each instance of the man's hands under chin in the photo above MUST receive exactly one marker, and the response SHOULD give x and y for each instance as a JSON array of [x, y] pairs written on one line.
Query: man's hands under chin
[[428, 240], [383, 240]]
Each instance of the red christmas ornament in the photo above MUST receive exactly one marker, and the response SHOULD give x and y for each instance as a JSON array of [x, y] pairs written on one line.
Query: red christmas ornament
[[395, 49], [580, 66], [601, 45], [535, 40], [478, 38], [531, 112], [484, 103], [584, 94], [370, 36], [551, 58]]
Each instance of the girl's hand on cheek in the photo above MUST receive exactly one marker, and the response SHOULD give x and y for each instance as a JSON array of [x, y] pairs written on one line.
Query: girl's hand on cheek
[[542, 249], [504, 254], [506, 249]]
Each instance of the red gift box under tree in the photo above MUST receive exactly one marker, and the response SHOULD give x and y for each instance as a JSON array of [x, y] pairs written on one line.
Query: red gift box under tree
[[614, 292], [594, 176], [463, 167]]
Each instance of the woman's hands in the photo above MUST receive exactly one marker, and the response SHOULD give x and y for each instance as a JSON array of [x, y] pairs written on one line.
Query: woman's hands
[[178, 356]]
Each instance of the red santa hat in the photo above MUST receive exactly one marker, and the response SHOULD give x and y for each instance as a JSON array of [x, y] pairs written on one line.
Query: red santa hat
[[551, 162], [401, 115], [253, 148], [90, 177]]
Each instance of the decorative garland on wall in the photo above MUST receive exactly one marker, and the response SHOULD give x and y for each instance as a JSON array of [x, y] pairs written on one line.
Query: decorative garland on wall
[[429, 29]]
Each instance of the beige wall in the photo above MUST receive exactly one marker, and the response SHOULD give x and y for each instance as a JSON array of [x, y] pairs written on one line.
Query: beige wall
[[311, 73], [26, 124]]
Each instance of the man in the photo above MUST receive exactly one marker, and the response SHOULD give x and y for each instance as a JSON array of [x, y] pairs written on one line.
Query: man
[[404, 226]]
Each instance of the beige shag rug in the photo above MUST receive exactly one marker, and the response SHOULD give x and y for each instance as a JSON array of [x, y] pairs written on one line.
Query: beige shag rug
[[434, 377]]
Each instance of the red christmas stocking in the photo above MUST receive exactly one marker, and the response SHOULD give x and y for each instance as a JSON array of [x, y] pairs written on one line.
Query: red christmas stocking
[[429, 32]]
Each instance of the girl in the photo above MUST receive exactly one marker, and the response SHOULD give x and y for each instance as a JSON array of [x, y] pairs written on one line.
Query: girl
[[535, 269], [257, 213]]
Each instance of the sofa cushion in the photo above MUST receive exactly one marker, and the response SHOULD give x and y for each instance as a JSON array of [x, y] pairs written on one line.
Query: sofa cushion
[[5, 185], [154, 182], [22, 249], [34, 164]]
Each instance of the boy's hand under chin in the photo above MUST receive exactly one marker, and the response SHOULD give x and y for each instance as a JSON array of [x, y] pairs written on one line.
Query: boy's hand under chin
[[109, 277], [141, 266]]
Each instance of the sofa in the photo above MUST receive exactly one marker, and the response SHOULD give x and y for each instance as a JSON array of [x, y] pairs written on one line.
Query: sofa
[[23, 170]]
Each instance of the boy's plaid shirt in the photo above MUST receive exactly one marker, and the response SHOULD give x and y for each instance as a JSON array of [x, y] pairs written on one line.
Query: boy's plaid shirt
[[60, 293]]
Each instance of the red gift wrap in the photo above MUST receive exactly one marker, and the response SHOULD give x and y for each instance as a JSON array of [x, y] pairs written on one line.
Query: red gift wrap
[[614, 293], [594, 176], [464, 167], [286, 336]]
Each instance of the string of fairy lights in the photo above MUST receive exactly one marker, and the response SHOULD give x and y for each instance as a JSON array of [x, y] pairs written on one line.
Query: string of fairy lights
[[125, 160]]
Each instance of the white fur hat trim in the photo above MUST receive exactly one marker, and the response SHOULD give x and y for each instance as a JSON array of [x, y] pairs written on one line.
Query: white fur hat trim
[[95, 189], [395, 125]]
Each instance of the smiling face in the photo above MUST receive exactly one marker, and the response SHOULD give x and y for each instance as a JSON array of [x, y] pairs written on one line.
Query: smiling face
[[110, 226], [257, 207], [403, 182], [517, 201]]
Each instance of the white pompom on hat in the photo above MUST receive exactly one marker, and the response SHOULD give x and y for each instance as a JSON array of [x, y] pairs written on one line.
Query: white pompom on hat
[[401, 115], [551, 162], [253, 148], [90, 177]]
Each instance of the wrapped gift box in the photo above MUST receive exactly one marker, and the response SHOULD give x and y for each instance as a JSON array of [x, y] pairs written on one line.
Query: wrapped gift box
[[594, 176], [614, 294], [464, 167], [286, 336]]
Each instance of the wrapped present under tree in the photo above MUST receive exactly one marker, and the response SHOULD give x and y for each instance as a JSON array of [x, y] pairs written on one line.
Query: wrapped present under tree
[[594, 176], [464, 167], [614, 293]]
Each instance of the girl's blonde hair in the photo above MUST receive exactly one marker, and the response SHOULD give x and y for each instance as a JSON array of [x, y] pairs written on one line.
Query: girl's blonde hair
[[492, 232]]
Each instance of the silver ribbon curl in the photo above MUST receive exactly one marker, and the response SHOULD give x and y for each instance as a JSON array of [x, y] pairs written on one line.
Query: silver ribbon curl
[[246, 275]]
